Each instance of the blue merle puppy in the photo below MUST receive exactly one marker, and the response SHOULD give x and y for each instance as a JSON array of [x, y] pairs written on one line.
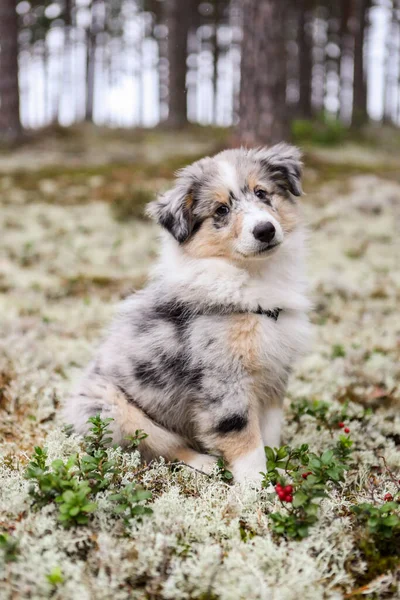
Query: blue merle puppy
[[200, 358]]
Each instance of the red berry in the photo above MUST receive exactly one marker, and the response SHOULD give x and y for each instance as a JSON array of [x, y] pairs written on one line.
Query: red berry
[[289, 498], [346, 430], [388, 497], [288, 489], [341, 424], [304, 475]]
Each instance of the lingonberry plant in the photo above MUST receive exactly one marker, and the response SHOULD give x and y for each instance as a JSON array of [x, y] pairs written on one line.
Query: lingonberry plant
[[129, 500], [325, 416], [133, 441], [75, 505], [9, 548], [74, 484], [383, 522], [222, 470], [95, 465], [310, 476]]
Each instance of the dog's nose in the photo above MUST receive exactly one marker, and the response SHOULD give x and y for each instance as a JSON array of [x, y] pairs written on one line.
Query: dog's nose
[[264, 232]]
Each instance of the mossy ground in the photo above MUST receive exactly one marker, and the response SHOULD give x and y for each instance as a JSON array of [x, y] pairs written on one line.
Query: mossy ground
[[66, 262]]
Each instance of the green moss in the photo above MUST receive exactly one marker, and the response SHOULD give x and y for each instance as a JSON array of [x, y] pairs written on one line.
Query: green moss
[[106, 287], [379, 559], [338, 351], [325, 131], [320, 171], [132, 205]]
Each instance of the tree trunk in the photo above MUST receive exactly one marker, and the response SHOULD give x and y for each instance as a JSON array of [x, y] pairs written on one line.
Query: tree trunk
[[360, 115], [346, 58], [10, 125], [66, 76], [332, 59], [263, 112], [397, 113], [96, 25], [178, 20], [390, 79], [218, 10], [305, 57]]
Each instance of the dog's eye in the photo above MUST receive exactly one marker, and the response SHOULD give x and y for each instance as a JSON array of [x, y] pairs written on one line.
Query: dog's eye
[[261, 194], [222, 210]]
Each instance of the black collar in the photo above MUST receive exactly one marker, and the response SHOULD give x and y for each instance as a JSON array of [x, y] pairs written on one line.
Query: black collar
[[178, 311], [272, 314]]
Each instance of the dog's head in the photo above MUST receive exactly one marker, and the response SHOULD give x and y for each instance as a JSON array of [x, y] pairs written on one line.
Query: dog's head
[[239, 205]]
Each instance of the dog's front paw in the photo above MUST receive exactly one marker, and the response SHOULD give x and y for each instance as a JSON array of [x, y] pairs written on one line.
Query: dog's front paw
[[248, 468]]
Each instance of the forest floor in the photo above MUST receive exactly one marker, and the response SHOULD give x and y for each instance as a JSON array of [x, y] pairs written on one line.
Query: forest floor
[[72, 244]]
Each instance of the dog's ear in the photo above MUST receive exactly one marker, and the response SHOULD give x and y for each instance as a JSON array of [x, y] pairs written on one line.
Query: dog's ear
[[173, 211], [283, 165]]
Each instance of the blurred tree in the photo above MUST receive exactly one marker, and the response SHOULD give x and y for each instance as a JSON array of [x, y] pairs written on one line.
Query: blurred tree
[[332, 57], [263, 114], [305, 45], [10, 125], [68, 17], [345, 58], [97, 19], [390, 79], [360, 114], [178, 18]]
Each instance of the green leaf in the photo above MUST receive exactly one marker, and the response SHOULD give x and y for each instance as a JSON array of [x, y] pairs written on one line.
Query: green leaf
[[115, 497], [68, 496], [311, 509], [281, 464], [299, 499], [391, 521], [279, 529], [269, 453], [303, 531], [326, 457], [90, 507], [55, 576], [334, 474], [314, 463], [82, 520], [282, 453]]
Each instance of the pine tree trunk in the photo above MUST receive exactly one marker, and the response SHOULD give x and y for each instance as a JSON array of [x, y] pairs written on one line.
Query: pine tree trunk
[[305, 58], [177, 19], [389, 74], [218, 9], [66, 54], [360, 114], [91, 46], [332, 73], [263, 112], [10, 125], [346, 57]]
